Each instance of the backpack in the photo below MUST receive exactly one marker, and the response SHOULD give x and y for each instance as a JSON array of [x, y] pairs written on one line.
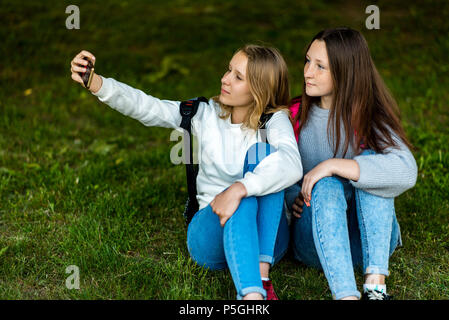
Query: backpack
[[295, 107], [188, 110]]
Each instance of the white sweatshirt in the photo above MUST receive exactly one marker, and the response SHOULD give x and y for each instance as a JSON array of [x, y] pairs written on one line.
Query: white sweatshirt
[[222, 144]]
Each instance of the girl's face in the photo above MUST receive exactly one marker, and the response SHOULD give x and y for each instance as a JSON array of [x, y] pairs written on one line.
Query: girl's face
[[234, 84], [317, 74]]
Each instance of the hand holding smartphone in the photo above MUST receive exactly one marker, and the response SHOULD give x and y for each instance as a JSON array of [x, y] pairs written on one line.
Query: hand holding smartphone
[[88, 74], [82, 68]]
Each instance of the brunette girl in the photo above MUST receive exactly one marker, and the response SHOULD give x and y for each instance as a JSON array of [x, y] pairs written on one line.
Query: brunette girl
[[356, 160]]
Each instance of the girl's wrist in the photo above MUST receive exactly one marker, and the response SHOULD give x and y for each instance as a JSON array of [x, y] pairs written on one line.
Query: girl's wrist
[[332, 166], [96, 84], [239, 189], [346, 168]]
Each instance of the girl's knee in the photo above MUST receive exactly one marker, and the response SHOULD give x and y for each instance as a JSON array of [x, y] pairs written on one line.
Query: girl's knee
[[205, 240], [261, 146], [328, 190], [256, 153], [205, 253], [247, 209], [328, 183]]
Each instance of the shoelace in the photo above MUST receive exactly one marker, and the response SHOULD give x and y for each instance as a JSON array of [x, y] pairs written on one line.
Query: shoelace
[[375, 295]]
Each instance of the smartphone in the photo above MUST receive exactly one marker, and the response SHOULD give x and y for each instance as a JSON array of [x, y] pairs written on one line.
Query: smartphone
[[88, 74]]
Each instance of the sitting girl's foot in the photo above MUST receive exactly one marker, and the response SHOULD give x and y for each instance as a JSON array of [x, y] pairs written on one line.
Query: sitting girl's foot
[[268, 286]]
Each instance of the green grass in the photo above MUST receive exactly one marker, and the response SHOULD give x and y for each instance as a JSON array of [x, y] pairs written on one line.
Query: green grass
[[81, 184]]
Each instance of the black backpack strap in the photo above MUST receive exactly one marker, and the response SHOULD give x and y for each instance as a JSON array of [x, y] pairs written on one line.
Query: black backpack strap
[[188, 110], [264, 118]]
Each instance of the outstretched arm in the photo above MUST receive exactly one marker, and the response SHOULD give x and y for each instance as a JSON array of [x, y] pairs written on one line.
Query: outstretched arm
[[129, 101]]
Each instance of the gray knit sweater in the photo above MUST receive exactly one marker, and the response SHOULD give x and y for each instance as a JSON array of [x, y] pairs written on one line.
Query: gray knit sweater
[[386, 175]]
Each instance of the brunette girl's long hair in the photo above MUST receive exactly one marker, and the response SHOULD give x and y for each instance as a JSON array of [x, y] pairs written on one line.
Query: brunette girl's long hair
[[361, 100]]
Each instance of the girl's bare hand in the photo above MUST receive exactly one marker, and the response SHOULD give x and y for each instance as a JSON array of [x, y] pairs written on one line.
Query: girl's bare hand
[[79, 64], [324, 169], [226, 203], [297, 206]]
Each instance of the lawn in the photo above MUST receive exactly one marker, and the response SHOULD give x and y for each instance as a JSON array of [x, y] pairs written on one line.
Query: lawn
[[81, 184]]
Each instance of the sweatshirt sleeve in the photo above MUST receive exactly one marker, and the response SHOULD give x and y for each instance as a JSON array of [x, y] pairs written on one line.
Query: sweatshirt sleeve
[[136, 104], [388, 174], [281, 168]]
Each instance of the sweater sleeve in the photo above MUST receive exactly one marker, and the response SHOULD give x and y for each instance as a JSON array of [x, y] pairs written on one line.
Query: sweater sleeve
[[279, 169], [388, 174], [136, 104]]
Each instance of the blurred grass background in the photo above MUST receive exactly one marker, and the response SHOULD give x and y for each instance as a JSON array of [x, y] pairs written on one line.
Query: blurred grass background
[[81, 184]]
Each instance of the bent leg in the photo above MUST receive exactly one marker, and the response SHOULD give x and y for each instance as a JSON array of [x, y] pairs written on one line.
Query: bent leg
[[376, 218], [234, 246], [303, 243], [205, 240], [270, 209], [241, 247], [355, 236], [282, 239], [268, 222], [325, 221]]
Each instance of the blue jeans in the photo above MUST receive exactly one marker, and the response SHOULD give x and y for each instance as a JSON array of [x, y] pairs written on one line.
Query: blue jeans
[[256, 232], [345, 227]]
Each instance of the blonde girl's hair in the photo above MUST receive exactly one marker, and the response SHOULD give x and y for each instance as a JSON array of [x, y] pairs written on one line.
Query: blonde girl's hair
[[267, 76]]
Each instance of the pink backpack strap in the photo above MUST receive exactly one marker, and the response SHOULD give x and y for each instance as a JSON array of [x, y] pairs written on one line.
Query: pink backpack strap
[[362, 144], [295, 106]]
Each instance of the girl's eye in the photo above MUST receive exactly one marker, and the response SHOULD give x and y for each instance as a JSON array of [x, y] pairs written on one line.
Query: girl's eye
[[307, 60], [321, 67], [239, 78]]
